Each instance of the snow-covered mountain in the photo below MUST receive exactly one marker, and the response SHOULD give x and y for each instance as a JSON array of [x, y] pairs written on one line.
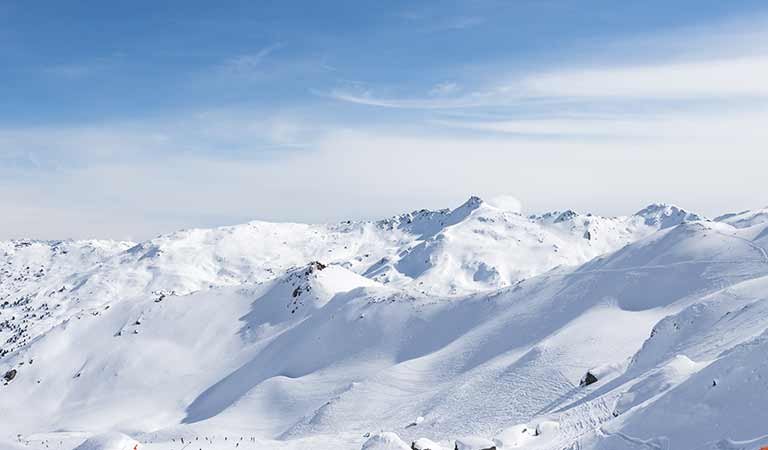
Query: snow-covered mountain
[[745, 219], [466, 328]]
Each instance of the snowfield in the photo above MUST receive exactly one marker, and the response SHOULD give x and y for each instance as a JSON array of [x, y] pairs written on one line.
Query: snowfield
[[472, 328]]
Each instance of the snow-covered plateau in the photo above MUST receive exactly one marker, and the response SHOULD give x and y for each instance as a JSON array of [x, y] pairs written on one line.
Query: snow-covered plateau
[[473, 328]]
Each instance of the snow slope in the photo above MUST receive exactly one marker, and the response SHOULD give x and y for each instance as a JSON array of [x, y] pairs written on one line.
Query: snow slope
[[475, 324], [34, 278], [474, 247]]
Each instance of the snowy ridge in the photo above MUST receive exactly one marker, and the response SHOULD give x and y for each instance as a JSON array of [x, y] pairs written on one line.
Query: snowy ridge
[[471, 248], [457, 328], [745, 219]]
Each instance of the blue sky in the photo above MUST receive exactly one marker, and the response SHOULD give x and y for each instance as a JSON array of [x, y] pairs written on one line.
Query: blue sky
[[127, 119]]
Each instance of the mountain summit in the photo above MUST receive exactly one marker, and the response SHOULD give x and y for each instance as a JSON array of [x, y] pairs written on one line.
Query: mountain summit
[[665, 216]]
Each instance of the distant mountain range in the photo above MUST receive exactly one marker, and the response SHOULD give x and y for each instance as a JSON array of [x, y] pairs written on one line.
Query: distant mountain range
[[472, 327]]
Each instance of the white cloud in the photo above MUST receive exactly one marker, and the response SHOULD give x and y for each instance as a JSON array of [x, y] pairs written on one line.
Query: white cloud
[[375, 173], [506, 202], [228, 134], [216, 167], [728, 60], [713, 79], [738, 125], [716, 78]]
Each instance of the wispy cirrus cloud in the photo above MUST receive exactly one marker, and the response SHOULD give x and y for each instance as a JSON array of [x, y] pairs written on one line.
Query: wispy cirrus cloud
[[249, 63], [721, 78], [367, 97], [685, 92], [724, 61]]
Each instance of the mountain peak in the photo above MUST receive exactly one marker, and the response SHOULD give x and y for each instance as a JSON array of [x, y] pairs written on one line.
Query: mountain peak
[[463, 211], [472, 203], [666, 215]]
